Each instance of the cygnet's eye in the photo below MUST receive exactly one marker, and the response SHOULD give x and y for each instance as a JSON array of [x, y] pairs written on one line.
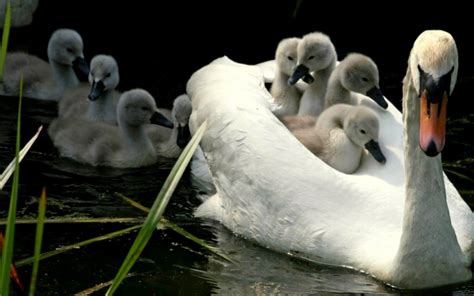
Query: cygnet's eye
[[107, 75], [362, 131], [311, 57], [365, 79], [145, 108], [69, 50], [290, 58]]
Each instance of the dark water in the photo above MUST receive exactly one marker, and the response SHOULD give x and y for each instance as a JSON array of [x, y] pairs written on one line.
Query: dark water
[[158, 46]]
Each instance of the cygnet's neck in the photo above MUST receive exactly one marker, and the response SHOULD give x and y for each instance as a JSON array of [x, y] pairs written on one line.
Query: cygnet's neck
[[336, 92], [135, 137], [103, 109], [63, 75], [285, 95], [321, 78]]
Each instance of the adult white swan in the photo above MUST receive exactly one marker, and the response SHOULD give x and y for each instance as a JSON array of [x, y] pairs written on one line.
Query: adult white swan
[[270, 189]]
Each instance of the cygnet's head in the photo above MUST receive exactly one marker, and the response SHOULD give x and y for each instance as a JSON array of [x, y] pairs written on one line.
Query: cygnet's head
[[360, 74], [103, 76], [315, 52], [286, 55], [65, 48], [136, 107], [181, 112], [361, 125]]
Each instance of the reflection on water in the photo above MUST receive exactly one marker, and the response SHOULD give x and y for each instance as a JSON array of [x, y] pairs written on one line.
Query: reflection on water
[[170, 264]]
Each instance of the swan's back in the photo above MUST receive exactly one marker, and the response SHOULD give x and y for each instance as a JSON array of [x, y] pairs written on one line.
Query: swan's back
[[280, 174]]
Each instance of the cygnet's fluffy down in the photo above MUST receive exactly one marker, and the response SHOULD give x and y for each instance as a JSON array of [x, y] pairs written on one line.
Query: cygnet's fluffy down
[[42, 80], [341, 134], [98, 100], [100, 144], [356, 73], [286, 96], [316, 56]]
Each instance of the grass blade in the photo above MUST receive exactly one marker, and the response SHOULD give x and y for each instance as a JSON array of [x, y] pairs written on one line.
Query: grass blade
[[158, 208], [168, 224], [38, 241], [5, 35], [75, 246], [100, 286], [79, 220], [13, 272], [7, 253], [11, 166]]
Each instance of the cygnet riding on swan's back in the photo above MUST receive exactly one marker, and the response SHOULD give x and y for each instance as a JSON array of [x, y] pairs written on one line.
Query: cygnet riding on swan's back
[[42, 80], [286, 96], [356, 73], [100, 144], [97, 101], [403, 222], [340, 135], [170, 142], [317, 55]]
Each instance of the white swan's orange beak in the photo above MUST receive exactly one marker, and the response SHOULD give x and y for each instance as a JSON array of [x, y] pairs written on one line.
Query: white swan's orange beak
[[432, 123]]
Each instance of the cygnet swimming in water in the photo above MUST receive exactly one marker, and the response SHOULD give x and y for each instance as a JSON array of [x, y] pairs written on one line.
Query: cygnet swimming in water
[[100, 144], [340, 135], [42, 80], [97, 101]]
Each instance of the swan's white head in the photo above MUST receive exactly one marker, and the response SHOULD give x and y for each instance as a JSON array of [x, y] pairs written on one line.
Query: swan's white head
[[136, 107], [361, 125], [315, 52], [103, 76], [286, 55], [181, 112], [65, 47], [433, 65], [360, 74]]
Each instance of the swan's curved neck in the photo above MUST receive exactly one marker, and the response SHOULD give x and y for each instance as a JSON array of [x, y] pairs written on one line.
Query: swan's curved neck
[[428, 250], [63, 75], [336, 92]]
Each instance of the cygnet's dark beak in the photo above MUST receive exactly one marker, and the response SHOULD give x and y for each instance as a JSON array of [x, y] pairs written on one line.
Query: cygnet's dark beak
[[183, 136], [98, 88], [81, 68], [300, 71], [376, 94], [160, 119], [374, 149]]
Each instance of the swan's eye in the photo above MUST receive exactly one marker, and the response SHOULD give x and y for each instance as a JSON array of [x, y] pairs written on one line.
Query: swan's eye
[[69, 50], [290, 58], [310, 57], [362, 131], [365, 79], [107, 75]]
